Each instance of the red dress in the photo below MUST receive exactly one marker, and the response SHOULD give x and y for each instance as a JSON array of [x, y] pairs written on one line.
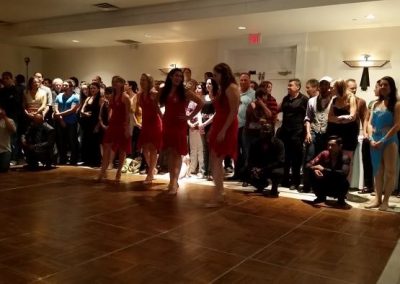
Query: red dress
[[227, 147], [115, 133], [151, 132], [174, 126]]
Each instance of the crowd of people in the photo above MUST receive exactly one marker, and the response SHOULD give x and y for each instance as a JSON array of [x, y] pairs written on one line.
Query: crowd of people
[[221, 125]]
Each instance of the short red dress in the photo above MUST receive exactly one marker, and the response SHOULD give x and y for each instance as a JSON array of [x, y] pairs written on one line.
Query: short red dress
[[227, 147], [174, 125], [151, 132], [115, 133]]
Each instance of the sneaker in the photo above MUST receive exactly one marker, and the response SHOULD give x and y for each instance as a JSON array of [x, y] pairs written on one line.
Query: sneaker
[[200, 175]]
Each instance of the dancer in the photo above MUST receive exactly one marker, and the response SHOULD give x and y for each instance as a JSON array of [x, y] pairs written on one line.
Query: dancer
[[175, 98], [384, 123], [224, 130], [151, 133], [117, 135]]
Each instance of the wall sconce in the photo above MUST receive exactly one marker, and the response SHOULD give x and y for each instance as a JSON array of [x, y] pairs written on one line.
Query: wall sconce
[[261, 76], [365, 64], [27, 60], [165, 71]]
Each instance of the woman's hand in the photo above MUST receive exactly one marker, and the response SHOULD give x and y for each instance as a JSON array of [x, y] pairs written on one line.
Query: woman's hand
[[376, 144]]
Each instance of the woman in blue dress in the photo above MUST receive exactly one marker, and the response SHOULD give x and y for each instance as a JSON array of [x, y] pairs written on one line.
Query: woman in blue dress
[[384, 123]]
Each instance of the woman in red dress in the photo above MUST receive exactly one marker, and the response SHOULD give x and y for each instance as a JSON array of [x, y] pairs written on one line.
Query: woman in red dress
[[117, 136], [175, 98], [224, 130], [151, 134]]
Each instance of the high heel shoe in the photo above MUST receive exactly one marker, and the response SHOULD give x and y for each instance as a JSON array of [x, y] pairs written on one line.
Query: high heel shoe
[[101, 177], [118, 177], [173, 190], [148, 180]]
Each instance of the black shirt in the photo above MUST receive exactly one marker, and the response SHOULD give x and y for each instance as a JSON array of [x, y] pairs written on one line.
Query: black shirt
[[294, 112]]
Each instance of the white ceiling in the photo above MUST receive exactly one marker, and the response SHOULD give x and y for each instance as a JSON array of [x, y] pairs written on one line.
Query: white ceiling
[[177, 21]]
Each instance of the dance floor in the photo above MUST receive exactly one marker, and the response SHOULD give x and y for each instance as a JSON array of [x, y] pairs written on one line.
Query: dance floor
[[59, 226]]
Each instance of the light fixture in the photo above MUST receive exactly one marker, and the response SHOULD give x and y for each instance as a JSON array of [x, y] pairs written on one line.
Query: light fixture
[[165, 71], [147, 35], [241, 28], [366, 62], [75, 40]]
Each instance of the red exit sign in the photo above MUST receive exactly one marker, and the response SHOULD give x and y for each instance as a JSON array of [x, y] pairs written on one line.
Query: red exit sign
[[254, 39]]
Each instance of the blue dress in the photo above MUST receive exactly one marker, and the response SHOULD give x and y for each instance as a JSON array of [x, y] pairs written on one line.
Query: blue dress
[[382, 121]]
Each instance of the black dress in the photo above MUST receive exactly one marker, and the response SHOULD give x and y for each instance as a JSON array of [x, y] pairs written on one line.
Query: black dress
[[347, 131]]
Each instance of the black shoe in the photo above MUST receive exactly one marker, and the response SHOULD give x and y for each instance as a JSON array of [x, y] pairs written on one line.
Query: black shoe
[[271, 193], [305, 189], [294, 187], [365, 190], [245, 184], [341, 202], [259, 190], [319, 200]]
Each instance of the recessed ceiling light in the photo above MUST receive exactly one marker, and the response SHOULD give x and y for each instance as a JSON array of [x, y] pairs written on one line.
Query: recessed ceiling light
[[241, 28], [74, 40], [370, 17], [147, 35]]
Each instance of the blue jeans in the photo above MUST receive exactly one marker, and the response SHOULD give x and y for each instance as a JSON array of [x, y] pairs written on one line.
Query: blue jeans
[[5, 159]]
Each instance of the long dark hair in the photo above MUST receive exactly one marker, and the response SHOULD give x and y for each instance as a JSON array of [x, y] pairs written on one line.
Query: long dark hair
[[214, 87], [392, 97], [168, 86], [227, 76]]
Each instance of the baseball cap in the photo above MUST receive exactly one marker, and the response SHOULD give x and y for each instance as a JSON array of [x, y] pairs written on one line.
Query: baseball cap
[[326, 78]]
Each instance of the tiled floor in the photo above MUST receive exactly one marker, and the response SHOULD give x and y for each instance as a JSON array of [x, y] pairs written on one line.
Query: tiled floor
[[59, 226]]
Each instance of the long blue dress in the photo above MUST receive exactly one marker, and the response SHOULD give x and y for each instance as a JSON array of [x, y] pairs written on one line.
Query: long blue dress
[[382, 121]]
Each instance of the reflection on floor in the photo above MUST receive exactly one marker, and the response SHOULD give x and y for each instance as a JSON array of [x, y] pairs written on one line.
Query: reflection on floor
[[59, 226]]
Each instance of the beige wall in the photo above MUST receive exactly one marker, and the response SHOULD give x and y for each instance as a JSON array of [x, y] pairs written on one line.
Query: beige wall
[[129, 62], [327, 50], [12, 59], [318, 54]]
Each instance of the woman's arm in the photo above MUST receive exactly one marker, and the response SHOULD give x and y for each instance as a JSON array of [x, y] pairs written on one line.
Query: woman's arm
[[83, 113], [264, 107], [44, 102]]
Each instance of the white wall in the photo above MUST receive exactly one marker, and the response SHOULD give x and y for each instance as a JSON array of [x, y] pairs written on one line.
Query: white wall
[[12, 59], [130, 62], [327, 50]]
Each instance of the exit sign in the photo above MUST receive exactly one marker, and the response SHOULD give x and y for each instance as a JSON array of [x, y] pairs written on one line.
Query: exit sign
[[254, 39]]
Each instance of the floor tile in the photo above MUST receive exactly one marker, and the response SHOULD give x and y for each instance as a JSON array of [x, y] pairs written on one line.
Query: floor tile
[[256, 272], [335, 255], [231, 232]]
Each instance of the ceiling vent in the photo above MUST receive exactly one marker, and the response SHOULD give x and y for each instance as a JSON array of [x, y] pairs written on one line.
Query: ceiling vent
[[106, 7], [128, 41]]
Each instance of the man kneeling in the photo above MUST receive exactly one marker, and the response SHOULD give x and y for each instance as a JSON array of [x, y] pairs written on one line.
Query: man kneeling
[[328, 172], [266, 159], [38, 143]]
